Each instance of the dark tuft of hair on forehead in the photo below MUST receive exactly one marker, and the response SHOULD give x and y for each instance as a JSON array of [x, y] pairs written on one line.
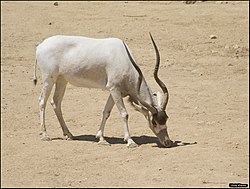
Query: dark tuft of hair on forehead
[[160, 117]]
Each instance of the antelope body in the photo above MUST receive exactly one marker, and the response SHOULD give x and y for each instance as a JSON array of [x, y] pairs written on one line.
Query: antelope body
[[99, 63]]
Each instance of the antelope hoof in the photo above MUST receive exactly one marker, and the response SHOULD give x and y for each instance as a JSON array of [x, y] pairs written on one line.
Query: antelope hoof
[[104, 142], [46, 138], [132, 145], [69, 138]]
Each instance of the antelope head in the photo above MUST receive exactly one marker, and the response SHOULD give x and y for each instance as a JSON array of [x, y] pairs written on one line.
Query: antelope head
[[156, 111]]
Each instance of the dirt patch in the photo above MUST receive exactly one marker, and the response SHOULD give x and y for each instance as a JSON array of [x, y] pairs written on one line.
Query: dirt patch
[[208, 108]]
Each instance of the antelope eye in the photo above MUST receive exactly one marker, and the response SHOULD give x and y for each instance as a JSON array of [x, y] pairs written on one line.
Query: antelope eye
[[154, 123]]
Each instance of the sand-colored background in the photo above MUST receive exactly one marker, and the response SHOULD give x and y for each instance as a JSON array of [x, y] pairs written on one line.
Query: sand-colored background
[[207, 80]]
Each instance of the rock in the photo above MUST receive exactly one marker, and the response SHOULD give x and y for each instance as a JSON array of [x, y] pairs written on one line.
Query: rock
[[213, 37], [236, 46], [56, 3], [201, 122]]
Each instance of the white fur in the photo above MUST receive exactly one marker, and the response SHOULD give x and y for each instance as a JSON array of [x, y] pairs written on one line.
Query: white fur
[[88, 62]]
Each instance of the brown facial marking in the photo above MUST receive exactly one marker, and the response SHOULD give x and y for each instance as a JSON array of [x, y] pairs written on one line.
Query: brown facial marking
[[162, 133], [161, 118]]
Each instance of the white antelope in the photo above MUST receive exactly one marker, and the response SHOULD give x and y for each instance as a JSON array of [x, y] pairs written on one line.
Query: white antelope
[[100, 63]]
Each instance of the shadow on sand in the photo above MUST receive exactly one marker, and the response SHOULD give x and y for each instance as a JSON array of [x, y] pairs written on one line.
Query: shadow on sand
[[138, 139]]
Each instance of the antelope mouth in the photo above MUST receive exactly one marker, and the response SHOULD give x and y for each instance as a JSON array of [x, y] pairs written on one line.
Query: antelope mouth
[[165, 144]]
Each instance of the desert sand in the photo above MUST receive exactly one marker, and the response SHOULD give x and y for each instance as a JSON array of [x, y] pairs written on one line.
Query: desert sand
[[204, 62]]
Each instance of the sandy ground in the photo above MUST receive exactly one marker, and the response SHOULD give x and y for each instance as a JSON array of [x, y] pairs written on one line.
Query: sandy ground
[[208, 107]]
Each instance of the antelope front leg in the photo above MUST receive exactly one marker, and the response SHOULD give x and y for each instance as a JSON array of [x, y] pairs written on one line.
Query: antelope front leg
[[116, 94], [106, 113]]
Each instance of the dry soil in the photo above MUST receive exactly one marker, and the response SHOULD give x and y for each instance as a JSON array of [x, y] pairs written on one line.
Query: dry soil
[[207, 78]]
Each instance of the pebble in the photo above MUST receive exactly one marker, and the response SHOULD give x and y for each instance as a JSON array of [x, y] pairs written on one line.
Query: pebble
[[213, 37], [236, 46]]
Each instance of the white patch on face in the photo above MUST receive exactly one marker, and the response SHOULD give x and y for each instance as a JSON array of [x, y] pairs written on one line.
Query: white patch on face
[[159, 99], [158, 128]]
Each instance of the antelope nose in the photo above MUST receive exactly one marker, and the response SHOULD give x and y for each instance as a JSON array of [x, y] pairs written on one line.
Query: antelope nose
[[168, 143]]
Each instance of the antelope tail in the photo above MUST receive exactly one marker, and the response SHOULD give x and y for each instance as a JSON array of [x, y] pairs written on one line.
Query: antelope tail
[[35, 79]]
